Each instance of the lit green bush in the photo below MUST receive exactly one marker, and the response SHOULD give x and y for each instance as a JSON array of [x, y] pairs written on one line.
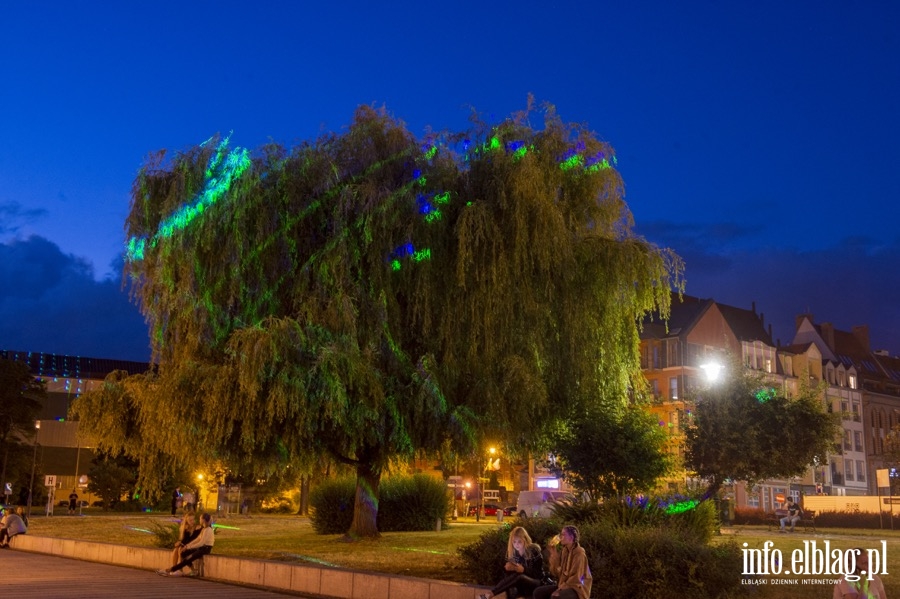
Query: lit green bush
[[405, 503]]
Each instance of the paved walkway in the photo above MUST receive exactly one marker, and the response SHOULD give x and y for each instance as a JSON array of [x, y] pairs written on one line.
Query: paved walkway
[[33, 575]]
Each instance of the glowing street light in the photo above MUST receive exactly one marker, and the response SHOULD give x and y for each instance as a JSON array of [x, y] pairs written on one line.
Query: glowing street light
[[711, 370]]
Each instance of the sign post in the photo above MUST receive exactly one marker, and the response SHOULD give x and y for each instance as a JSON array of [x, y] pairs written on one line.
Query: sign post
[[50, 483], [7, 490]]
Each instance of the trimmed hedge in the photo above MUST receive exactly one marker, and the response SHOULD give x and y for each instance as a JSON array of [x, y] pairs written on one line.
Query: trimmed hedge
[[405, 504]]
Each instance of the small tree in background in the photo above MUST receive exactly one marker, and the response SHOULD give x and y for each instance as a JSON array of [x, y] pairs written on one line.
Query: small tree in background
[[21, 398], [611, 454], [110, 478], [744, 429]]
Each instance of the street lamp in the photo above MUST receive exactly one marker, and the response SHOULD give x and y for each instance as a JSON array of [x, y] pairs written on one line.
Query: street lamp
[[712, 371], [37, 427]]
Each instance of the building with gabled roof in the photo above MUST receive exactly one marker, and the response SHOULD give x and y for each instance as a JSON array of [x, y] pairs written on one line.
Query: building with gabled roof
[[873, 377]]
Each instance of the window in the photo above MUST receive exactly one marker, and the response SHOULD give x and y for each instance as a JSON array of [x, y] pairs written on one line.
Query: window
[[654, 388], [860, 470], [848, 469], [673, 387], [847, 445], [655, 356], [840, 379], [852, 378], [768, 365], [857, 441]]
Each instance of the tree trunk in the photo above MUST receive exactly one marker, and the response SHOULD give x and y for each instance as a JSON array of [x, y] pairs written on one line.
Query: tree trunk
[[365, 508], [304, 495]]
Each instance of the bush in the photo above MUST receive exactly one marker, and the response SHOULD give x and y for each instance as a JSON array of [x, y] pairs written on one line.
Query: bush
[[331, 506], [690, 517], [639, 561], [413, 503], [856, 520], [750, 515], [282, 505], [405, 503], [164, 535]]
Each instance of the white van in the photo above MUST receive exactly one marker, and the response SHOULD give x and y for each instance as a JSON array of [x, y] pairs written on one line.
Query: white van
[[538, 503]]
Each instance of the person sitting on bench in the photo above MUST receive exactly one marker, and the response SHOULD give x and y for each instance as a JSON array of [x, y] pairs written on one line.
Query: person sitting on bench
[[793, 516], [194, 550]]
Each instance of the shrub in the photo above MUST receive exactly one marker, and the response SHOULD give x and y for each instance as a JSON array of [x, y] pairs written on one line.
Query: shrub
[[413, 503], [331, 506], [164, 535], [637, 561], [282, 505], [856, 520], [690, 517], [750, 515], [405, 503]]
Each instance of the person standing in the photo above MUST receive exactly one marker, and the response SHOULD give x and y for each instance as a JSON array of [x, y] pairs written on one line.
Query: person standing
[[569, 566], [73, 502], [176, 498]]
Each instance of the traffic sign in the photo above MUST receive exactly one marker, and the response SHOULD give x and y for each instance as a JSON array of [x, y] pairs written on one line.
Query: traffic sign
[[50, 480], [779, 497]]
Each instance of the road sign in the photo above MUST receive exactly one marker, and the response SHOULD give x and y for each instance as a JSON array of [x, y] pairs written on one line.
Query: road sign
[[50, 480], [779, 497], [7, 489]]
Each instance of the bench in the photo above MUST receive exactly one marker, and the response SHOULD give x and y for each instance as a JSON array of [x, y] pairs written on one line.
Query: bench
[[807, 521]]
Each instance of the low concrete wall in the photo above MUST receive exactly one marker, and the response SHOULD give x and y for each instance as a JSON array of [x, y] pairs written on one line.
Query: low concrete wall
[[301, 578]]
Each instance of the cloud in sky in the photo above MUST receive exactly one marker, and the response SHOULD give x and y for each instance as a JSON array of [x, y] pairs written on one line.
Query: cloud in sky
[[13, 215], [50, 302], [854, 281]]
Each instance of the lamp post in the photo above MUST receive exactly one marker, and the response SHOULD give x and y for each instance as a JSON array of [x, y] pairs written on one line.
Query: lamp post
[[37, 428], [711, 370]]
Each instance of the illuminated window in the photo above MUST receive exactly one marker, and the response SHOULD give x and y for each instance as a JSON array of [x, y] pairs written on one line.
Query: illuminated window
[[547, 483]]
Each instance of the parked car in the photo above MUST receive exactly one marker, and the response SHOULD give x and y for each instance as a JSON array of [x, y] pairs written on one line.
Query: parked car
[[490, 509], [509, 510]]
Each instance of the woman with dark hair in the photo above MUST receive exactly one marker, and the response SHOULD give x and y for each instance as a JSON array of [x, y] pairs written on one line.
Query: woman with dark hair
[[569, 566], [524, 567]]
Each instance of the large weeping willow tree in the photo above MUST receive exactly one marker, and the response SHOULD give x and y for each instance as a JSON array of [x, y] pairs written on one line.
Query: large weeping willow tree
[[370, 294]]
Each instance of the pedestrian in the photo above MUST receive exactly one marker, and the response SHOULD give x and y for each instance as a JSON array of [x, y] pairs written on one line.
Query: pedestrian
[[194, 550], [176, 499], [73, 502], [569, 566], [524, 567]]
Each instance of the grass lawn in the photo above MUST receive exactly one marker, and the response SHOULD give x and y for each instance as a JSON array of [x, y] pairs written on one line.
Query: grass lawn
[[430, 554]]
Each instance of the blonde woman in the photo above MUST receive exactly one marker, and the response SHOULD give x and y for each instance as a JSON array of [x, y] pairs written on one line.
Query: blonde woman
[[524, 567], [187, 532]]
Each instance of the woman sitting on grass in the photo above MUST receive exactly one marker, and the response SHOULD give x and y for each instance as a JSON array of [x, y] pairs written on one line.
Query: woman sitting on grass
[[187, 532], [524, 566], [194, 550]]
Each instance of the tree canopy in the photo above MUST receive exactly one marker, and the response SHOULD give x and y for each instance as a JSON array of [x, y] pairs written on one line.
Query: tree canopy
[[612, 454], [20, 405], [745, 429], [370, 294]]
